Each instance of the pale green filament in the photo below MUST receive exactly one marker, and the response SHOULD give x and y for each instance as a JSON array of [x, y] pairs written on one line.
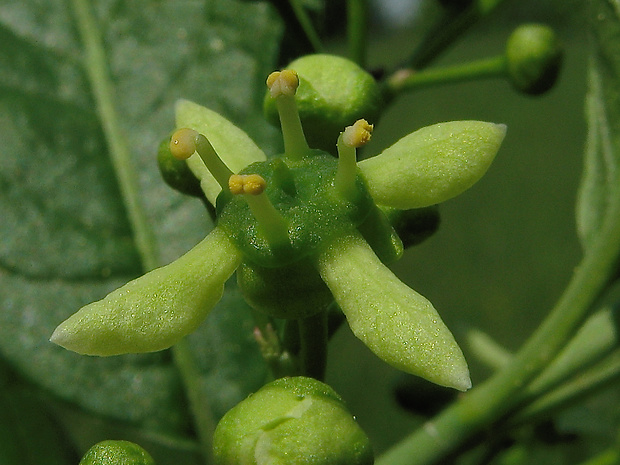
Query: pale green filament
[[271, 223], [282, 86], [211, 159], [353, 136]]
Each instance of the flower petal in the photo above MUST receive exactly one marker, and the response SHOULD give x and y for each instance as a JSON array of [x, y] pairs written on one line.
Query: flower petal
[[156, 310], [432, 164], [394, 321], [231, 143]]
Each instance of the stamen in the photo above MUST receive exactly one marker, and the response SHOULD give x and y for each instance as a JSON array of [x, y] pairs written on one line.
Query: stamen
[[282, 87], [270, 222], [352, 137], [185, 142]]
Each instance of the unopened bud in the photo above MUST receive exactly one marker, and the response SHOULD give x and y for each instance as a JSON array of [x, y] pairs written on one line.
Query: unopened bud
[[291, 421]]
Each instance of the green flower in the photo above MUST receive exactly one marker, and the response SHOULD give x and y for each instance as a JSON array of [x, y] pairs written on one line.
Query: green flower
[[302, 229]]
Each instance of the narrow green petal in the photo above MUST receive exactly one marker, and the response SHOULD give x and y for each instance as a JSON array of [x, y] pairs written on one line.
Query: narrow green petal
[[156, 310], [432, 164], [395, 322], [231, 143]]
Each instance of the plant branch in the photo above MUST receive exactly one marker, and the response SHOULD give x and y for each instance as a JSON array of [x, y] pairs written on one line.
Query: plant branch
[[306, 25], [357, 28], [448, 30], [407, 79], [489, 401], [200, 408], [603, 374], [313, 338]]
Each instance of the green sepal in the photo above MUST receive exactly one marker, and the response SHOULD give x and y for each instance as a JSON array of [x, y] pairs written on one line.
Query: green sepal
[[231, 143], [333, 93], [432, 164], [291, 421], [116, 453], [156, 310], [399, 325]]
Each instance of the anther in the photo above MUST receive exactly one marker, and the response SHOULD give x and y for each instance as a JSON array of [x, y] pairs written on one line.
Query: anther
[[352, 137], [251, 184], [185, 142], [358, 134], [283, 83]]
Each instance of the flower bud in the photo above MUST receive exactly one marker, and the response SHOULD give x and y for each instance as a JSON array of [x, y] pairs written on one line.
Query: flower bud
[[176, 173], [117, 453], [534, 56], [291, 421], [333, 93]]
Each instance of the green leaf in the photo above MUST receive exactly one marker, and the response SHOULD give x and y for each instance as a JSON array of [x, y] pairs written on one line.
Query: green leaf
[[66, 237], [602, 153], [28, 435]]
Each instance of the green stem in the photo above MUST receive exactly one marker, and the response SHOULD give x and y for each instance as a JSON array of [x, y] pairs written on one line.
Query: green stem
[[306, 25], [200, 408], [605, 373], [489, 401], [357, 28], [406, 79], [313, 338], [489, 352], [448, 30], [120, 153]]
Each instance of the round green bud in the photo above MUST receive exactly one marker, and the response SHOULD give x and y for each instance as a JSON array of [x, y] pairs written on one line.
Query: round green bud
[[176, 173], [333, 93], [117, 453], [534, 56], [291, 421]]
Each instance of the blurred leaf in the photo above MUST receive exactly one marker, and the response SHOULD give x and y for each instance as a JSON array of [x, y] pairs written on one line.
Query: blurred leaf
[[28, 436], [602, 154], [65, 235]]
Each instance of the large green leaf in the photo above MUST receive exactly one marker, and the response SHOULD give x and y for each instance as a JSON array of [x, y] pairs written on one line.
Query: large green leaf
[[602, 154], [66, 239]]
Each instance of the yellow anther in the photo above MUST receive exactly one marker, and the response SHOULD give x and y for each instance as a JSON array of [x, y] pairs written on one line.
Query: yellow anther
[[183, 143], [283, 83], [235, 184], [251, 184], [358, 134], [254, 184]]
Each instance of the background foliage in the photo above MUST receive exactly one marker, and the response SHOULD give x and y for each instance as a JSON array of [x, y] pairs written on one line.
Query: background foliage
[[501, 258]]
